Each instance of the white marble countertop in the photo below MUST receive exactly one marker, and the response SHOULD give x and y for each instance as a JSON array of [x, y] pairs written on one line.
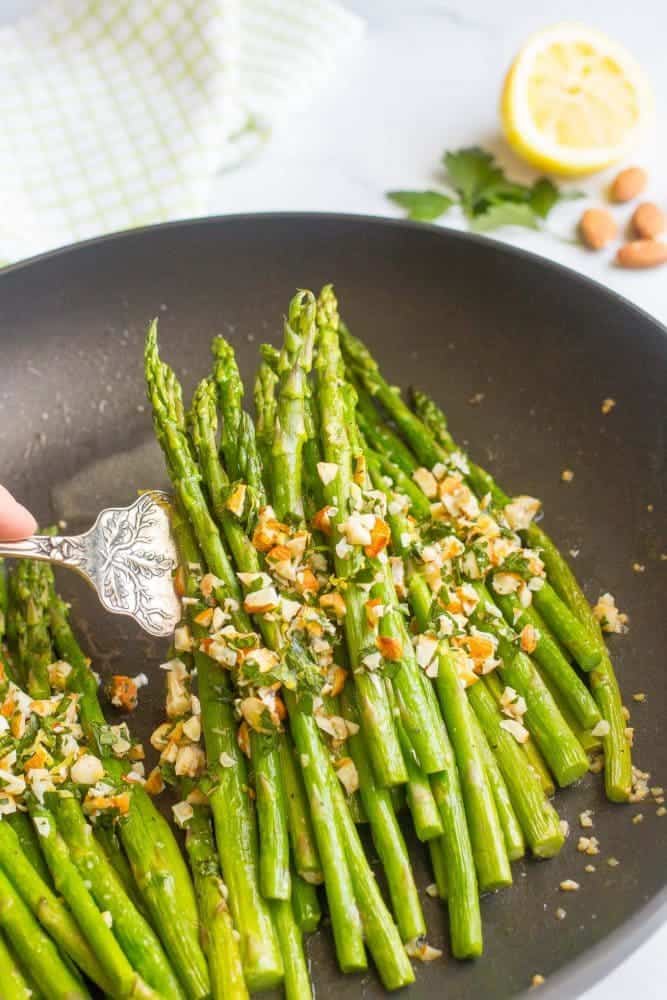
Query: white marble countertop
[[425, 79]]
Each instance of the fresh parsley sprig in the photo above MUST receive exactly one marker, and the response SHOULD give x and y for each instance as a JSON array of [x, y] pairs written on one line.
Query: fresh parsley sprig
[[488, 198]]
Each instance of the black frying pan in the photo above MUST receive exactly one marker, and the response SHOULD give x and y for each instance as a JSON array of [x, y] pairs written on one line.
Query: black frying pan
[[458, 316]]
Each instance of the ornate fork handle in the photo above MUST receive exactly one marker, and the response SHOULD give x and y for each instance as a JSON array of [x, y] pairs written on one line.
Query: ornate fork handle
[[128, 556], [73, 551]]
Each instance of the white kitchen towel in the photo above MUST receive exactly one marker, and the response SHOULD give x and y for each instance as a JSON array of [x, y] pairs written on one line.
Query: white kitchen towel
[[118, 113]]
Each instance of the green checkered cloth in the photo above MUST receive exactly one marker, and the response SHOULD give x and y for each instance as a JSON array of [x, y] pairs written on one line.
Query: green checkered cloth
[[118, 113]]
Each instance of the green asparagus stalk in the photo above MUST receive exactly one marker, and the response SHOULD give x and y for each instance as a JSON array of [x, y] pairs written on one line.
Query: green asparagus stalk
[[133, 933], [27, 838], [271, 811], [486, 833], [567, 628], [108, 839], [436, 849], [382, 741], [229, 390], [306, 905], [295, 362], [51, 913], [302, 835], [530, 748], [218, 933], [125, 982], [14, 983], [35, 643], [549, 656], [297, 978], [515, 844], [35, 948], [538, 819], [169, 900], [604, 685], [554, 737], [387, 835], [234, 819]]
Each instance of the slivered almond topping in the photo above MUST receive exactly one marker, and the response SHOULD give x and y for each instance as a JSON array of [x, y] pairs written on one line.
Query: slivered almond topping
[[390, 647], [380, 538], [327, 471], [333, 602], [258, 602], [236, 500], [610, 618], [322, 520], [426, 482], [347, 774], [154, 783], [529, 638], [338, 680], [506, 583], [205, 617], [520, 512], [374, 611], [307, 582], [243, 738]]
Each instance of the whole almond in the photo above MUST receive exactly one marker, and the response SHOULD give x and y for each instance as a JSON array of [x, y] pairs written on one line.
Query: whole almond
[[642, 253], [628, 184], [597, 227], [648, 221]]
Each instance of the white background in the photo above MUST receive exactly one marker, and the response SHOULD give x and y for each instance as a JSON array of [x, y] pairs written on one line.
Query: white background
[[425, 79]]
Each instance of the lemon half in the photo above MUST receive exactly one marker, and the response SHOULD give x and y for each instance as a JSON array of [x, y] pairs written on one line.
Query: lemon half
[[574, 101]]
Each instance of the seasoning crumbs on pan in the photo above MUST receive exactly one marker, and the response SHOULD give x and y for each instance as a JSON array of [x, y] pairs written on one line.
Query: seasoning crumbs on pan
[[537, 980], [567, 475], [608, 405], [638, 567], [560, 913]]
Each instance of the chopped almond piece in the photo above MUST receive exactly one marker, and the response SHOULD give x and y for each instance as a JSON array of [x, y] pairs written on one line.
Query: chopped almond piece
[[307, 582], [338, 681], [322, 520], [236, 501], [390, 647], [154, 783], [380, 537], [426, 482], [529, 638], [179, 581], [243, 738], [258, 602], [374, 609], [205, 617], [334, 602]]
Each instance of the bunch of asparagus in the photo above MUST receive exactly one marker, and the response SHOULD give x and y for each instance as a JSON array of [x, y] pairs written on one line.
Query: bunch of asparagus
[[371, 627]]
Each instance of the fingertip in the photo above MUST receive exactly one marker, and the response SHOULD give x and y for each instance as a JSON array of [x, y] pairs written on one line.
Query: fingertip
[[16, 522]]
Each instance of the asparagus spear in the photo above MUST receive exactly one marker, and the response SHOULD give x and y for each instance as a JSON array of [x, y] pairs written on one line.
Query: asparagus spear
[[306, 905], [486, 833], [302, 835], [604, 685], [108, 839], [14, 983], [556, 740], [169, 900], [387, 835], [135, 936], [295, 362], [235, 826], [51, 913], [34, 641], [346, 923], [297, 978], [382, 741], [125, 982], [218, 933], [552, 661], [229, 391], [35, 948], [271, 809]]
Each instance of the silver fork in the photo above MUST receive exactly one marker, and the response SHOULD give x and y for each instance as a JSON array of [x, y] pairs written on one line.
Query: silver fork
[[128, 556]]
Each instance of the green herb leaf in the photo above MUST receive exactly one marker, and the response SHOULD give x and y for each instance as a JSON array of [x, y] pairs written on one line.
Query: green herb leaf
[[472, 172], [423, 206], [505, 213]]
